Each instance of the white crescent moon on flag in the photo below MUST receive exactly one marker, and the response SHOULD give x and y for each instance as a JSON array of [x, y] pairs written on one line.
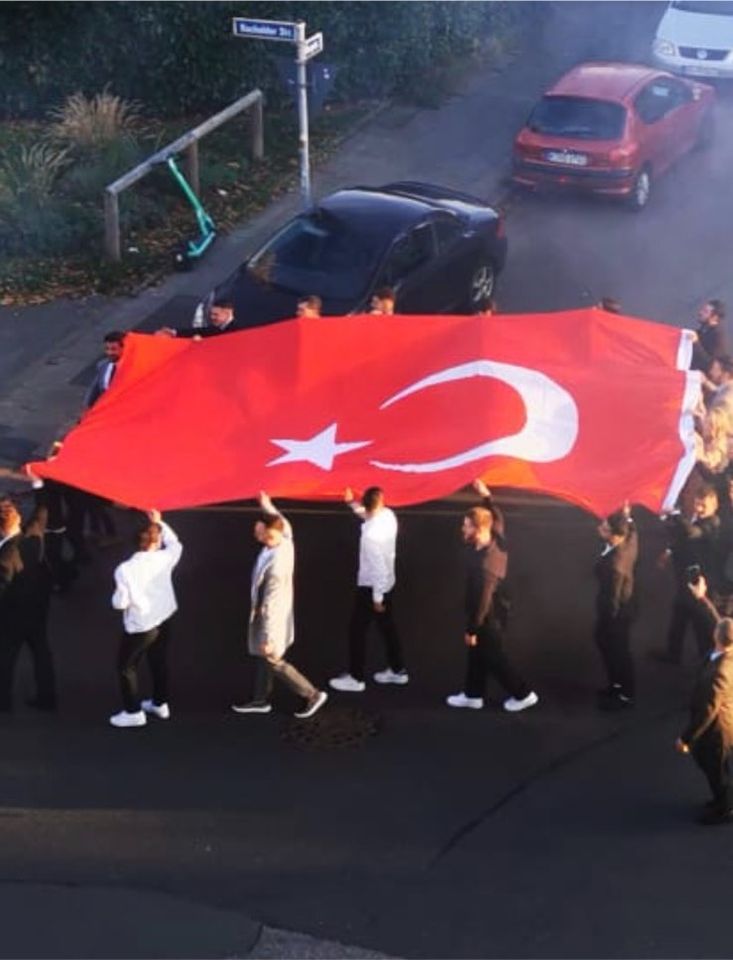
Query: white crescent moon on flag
[[548, 434]]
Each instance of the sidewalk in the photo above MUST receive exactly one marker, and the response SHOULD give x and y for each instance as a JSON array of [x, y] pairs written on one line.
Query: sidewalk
[[77, 921]]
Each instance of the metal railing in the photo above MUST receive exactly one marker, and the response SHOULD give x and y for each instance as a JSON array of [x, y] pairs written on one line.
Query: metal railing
[[188, 142]]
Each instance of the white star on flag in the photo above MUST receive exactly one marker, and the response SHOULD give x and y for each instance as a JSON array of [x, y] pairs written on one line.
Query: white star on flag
[[320, 450]]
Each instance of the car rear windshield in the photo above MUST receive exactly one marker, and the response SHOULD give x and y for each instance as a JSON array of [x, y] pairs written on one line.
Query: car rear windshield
[[578, 117], [317, 253], [719, 8]]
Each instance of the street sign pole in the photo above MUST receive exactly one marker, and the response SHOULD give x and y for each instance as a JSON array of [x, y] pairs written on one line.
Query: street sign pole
[[301, 60], [305, 48]]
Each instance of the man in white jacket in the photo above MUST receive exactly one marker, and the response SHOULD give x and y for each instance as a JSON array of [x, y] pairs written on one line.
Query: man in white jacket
[[144, 593], [373, 602]]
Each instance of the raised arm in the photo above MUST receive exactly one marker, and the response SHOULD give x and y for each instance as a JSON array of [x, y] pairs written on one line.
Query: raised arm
[[491, 505], [352, 502], [269, 508], [169, 540]]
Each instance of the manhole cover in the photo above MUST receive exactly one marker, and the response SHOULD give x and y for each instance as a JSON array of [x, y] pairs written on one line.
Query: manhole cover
[[333, 728]]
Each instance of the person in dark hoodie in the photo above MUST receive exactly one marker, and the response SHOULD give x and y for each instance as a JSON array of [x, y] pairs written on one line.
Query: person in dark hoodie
[[487, 607]]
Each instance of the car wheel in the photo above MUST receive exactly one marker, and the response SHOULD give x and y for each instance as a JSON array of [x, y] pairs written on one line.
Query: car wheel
[[641, 191], [706, 133], [483, 281]]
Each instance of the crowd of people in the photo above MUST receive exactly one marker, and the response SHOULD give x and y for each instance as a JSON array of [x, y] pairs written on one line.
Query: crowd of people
[[45, 554]]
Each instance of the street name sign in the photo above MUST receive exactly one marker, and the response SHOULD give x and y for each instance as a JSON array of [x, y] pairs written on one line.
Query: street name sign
[[313, 45], [264, 29]]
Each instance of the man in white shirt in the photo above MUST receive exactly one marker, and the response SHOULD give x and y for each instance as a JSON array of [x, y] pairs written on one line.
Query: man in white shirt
[[373, 602], [144, 593]]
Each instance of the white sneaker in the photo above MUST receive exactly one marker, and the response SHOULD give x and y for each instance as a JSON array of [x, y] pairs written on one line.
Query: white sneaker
[[125, 719], [161, 710], [399, 677], [347, 684], [254, 707], [312, 706], [461, 700], [514, 706]]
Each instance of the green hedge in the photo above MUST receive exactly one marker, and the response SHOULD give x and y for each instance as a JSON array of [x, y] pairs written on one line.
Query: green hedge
[[181, 57]]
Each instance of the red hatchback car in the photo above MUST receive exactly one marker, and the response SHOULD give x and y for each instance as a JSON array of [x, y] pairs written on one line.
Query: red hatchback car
[[612, 128]]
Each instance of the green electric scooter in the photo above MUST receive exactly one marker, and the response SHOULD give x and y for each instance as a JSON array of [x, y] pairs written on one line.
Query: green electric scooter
[[186, 254]]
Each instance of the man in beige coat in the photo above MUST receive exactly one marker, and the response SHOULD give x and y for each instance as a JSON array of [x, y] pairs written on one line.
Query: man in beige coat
[[271, 627]]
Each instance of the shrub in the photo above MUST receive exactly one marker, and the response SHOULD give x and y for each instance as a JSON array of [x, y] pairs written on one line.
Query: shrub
[[33, 217], [28, 173], [95, 169], [93, 123]]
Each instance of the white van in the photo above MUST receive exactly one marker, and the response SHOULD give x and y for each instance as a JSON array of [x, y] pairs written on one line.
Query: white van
[[696, 38]]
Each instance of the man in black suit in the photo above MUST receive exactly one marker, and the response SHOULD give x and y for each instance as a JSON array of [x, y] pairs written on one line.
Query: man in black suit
[[616, 607], [711, 340], [84, 505], [694, 546], [106, 368], [709, 732], [52, 495], [220, 320], [25, 589]]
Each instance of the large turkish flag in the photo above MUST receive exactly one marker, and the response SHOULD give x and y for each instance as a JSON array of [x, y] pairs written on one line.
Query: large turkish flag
[[582, 405]]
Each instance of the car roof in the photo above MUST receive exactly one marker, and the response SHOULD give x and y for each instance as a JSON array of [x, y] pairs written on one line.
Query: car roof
[[617, 82], [373, 211]]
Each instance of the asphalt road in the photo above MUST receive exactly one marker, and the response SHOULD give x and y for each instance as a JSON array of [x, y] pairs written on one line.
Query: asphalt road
[[435, 832], [561, 832]]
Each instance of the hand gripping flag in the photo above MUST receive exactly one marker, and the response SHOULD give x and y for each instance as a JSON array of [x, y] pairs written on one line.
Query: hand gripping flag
[[583, 405]]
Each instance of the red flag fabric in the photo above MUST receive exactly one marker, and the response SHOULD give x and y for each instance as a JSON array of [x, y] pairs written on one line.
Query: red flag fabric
[[583, 405]]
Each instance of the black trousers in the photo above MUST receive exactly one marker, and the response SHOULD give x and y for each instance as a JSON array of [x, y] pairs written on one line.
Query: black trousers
[[488, 658], [685, 612], [712, 755], [612, 636], [101, 521], [31, 630], [63, 572], [362, 616], [152, 644], [86, 508], [76, 516]]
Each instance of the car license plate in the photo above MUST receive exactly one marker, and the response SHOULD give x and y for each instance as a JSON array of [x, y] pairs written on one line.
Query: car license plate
[[565, 156], [702, 71]]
